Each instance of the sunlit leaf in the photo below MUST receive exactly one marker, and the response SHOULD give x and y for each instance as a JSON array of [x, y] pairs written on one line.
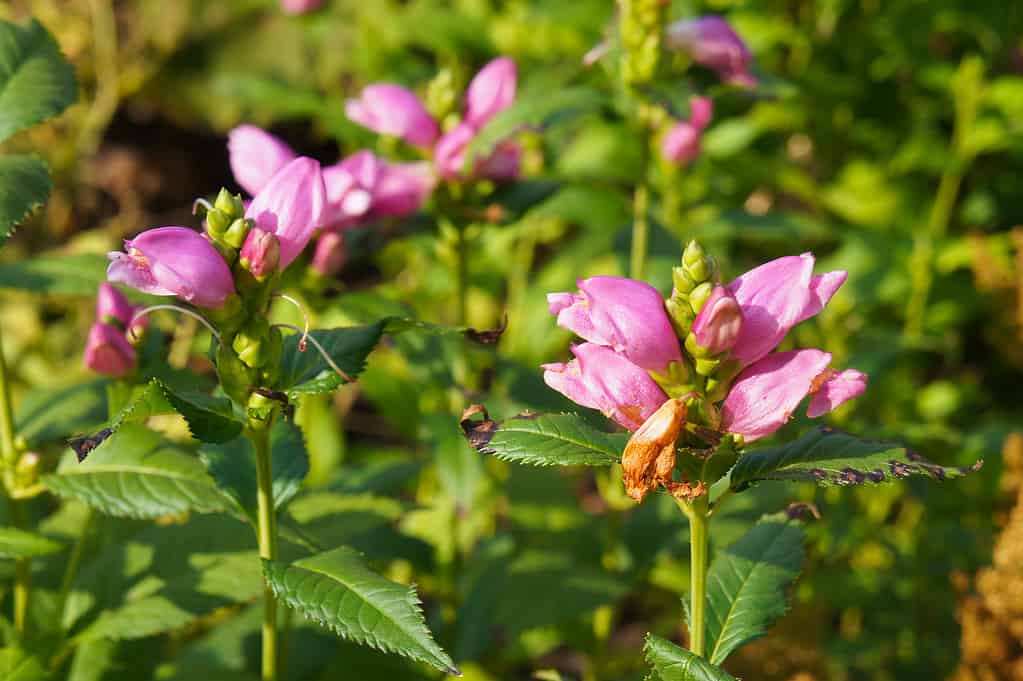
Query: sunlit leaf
[[36, 81], [15, 543], [24, 186], [671, 663]]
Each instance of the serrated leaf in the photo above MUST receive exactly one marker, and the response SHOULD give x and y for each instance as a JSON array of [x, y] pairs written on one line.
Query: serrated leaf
[[136, 473], [36, 81], [24, 186], [306, 372], [831, 457], [210, 419], [543, 439], [672, 663], [233, 467], [746, 584], [18, 665], [539, 108], [338, 591], [68, 275], [15, 543]]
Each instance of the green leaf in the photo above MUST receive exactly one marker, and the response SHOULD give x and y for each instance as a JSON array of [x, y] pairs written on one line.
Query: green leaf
[[210, 419], [36, 81], [830, 457], [18, 665], [307, 372], [136, 473], [337, 590], [24, 186], [671, 663], [539, 108], [15, 543], [747, 581], [543, 439], [233, 467], [51, 414], [67, 275]]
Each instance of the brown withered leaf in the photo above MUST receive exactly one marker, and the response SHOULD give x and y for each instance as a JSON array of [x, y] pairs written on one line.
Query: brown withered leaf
[[82, 446], [478, 433], [487, 336]]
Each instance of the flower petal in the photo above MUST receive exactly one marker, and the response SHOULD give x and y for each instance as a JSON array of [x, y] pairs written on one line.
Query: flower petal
[[491, 91], [255, 156], [838, 389]]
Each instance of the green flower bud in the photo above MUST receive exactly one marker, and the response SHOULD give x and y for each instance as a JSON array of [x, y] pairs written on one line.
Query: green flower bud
[[683, 284], [252, 343], [681, 315], [695, 262], [700, 295], [230, 205], [217, 223], [236, 233], [693, 349], [706, 367], [235, 377]]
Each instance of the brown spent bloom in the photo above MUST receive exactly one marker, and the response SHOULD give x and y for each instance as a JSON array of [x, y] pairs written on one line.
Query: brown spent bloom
[[649, 458]]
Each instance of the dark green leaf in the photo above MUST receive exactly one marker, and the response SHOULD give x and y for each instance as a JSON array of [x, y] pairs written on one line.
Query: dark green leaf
[[51, 414], [18, 665], [15, 543], [747, 581], [307, 372], [233, 467], [543, 439], [36, 81], [24, 186], [337, 590], [68, 275], [830, 457], [210, 419], [136, 473], [671, 663]]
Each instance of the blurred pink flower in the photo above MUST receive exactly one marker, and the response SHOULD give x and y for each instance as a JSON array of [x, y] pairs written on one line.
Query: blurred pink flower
[[255, 156], [300, 6], [330, 253], [681, 144], [713, 43], [390, 109], [108, 352], [491, 91]]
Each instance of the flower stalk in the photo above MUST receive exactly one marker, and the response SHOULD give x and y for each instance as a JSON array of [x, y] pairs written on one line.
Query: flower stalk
[[9, 458], [259, 434], [699, 521]]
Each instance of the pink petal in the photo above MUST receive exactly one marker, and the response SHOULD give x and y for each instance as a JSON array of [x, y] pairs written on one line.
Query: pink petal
[[449, 154], [390, 109], [108, 352], [838, 389], [491, 91], [567, 379], [700, 111], [626, 392], [822, 288], [255, 156], [111, 303], [403, 188], [293, 205], [766, 393]]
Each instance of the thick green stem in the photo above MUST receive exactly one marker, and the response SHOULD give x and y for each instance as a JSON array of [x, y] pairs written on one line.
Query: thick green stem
[[640, 230], [698, 525], [267, 533], [9, 459]]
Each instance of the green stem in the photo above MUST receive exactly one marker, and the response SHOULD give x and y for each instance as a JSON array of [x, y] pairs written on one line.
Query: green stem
[[640, 230], [462, 274], [259, 435], [74, 561], [9, 459], [698, 525]]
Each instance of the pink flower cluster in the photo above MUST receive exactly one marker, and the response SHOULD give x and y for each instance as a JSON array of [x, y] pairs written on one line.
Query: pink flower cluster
[[390, 109], [108, 349], [681, 144], [713, 43], [629, 337]]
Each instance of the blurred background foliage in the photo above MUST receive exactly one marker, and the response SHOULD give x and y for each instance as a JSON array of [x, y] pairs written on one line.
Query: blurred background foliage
[[887, 138]]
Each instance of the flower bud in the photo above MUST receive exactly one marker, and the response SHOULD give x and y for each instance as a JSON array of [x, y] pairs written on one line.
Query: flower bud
[[649, 457], [234, 376], [173, 261], [329, 256], [681, 315], [217, 223], [706, 367], [717, 326], [108, 352], [683, 284], [390, 109], [261, 253], [112, 307], [700, 295], [231, 205], [237, 232], [696, 263], [251, 343], [491, 91]]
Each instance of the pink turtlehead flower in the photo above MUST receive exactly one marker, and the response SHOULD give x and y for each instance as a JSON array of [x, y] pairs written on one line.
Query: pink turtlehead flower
[[600, 378], [390, 109], [491, 91], [681, 144], [330, 253], [716, 329], [293, 205], [402, 188], [713, 43], [113, 308], [625, 315], [350, 185], [774, 298], [108, 352], [766, 393], [300, 6], [173, 261], [256, 156], [449, 154]]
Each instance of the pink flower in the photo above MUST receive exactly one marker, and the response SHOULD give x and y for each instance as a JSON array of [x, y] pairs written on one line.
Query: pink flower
[[402, 188], [112, 306], [625, 315], [716, 329], [350, 185], [173, 261], [602, 379], [766, 393], [300, 6], [330, 253], [449, 154], [681, 144], [256, 156], [293, 205], [390, 109], [261, 253], [504, 165], [108, 352], [713, 43], [491, 91], [774, 298]]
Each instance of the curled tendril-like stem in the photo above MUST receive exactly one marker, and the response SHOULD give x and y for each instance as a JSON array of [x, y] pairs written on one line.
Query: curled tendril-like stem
[[305, 316], [201, 202], [184, 310], [319, 348]]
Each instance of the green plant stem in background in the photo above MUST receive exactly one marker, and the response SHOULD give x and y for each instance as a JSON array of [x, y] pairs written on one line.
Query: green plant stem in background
[[699, 521], [462, 274], [74, 561], [259, 435], [9, 457], [640, 231]]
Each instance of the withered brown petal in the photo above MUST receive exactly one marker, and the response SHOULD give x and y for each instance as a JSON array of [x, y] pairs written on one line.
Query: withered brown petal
[[649, 457]]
